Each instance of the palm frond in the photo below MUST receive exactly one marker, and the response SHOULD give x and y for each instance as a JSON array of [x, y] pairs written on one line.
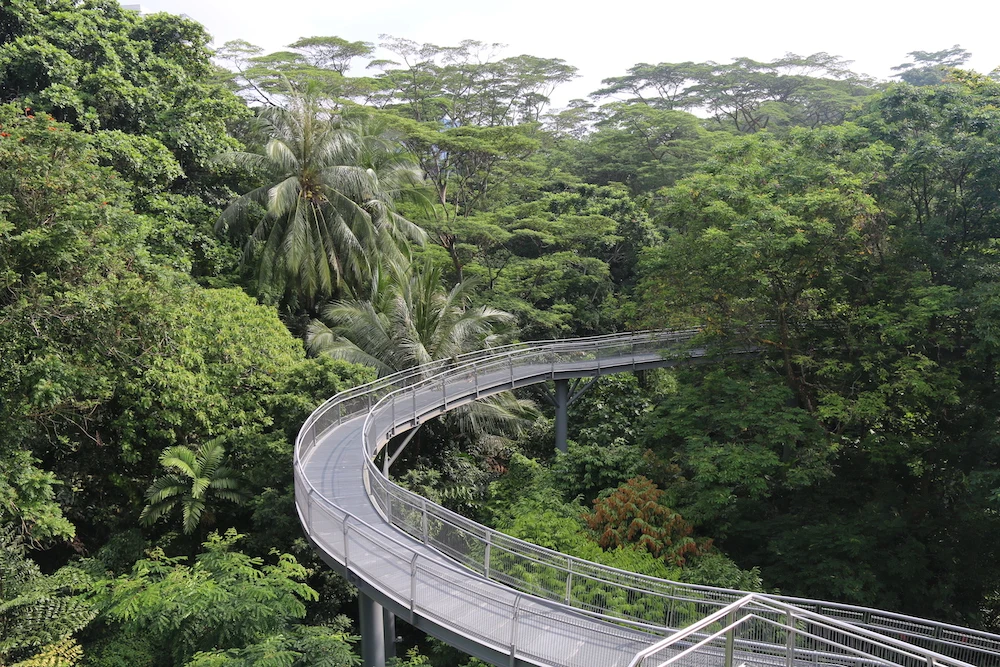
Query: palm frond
[[181, 459]]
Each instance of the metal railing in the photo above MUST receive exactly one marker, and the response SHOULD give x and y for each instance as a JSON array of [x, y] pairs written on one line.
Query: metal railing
[[759, 630], [636, 602]]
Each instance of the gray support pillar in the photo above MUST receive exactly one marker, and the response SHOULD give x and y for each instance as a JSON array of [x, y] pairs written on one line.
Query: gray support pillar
[[372, 633], [562, 415], [389, 630]]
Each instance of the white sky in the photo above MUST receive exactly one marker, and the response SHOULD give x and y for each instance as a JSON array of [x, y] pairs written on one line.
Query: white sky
[[605, 39]]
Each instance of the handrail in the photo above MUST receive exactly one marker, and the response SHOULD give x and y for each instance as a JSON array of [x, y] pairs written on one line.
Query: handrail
[[798, 625], [562, 578], [681, 635]]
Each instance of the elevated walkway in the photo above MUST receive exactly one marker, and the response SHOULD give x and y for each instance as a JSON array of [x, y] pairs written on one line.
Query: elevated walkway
[[513, 603]]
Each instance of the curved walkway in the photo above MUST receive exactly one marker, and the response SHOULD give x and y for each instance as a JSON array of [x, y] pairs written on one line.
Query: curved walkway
[[510, 602]]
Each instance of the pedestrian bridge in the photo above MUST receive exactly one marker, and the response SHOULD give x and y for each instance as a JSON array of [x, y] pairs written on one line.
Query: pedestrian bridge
[[513, 603]]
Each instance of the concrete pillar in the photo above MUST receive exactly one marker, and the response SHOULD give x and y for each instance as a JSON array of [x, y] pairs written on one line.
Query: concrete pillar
[[389, 631], [372, 632], [562, 414]]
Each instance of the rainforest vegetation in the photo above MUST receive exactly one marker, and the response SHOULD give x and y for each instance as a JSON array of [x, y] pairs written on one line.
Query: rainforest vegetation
[[199, 246]]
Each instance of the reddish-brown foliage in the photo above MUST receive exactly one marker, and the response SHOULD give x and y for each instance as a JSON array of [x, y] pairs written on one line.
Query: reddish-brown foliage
[[633, 514]]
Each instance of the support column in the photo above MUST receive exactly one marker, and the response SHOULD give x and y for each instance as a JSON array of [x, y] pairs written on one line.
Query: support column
[[389, 631], [561, 400], [372, 632]]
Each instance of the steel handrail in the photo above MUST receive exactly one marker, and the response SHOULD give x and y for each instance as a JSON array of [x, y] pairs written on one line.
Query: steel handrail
[[796, 614], [435, 368], [412, 380]]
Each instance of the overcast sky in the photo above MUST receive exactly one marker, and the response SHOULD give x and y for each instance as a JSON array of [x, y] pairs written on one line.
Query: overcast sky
[[608, 39]]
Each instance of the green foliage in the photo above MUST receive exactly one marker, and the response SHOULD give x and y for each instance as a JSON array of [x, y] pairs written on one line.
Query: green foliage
[[301, 646], [414, 658], [109, 359], [747, 95], [715, 569], [930, 68], [99, 66], [524, 504], [194, 476], [861, 260], [224, 600], [465, 86], [559, 261], [470, 168], [733, 436], [324, 218], [27, 498], [587, 469], [138, 86], [641, 146], [121, 649], [408, 319], [64, 653], [38, 613]]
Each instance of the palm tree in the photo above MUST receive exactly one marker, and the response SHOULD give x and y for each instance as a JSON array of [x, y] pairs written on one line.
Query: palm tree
[[408, 318], [195, 477], [326, 214]]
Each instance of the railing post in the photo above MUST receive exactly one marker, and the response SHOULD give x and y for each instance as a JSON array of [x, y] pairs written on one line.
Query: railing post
[[475, 376], [510, 360], [790, 640], [730, 641], [413, 393], [569, 581], [423, 519], [347, 559], [309, 510], [413, 587], [486, 556], [513, 629], [393, 419], [444, 394]]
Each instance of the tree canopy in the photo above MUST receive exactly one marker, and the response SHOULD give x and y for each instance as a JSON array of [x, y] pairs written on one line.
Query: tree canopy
[[189, 237]]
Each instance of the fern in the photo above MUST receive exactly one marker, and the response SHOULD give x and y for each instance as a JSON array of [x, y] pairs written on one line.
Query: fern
[[38, 613], [64, 653]]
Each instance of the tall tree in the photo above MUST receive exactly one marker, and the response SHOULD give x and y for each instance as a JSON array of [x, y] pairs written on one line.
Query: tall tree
[[929, 68], [325, 216], [748, 95], [641, 146], [98, 65]]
